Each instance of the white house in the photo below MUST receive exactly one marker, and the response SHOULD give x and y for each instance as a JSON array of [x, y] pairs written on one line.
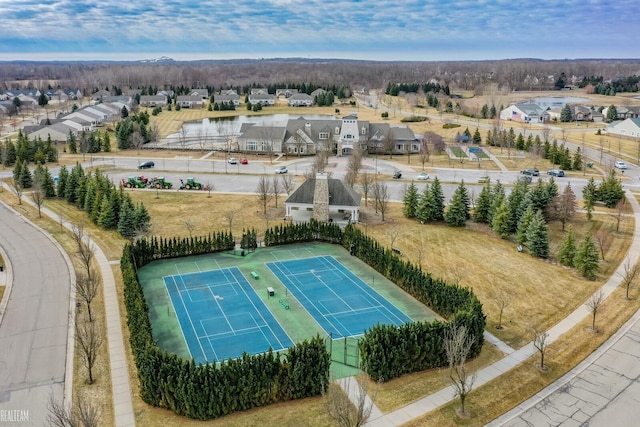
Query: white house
[[300, 100], [263, 99], [530, 113], [628, 127]]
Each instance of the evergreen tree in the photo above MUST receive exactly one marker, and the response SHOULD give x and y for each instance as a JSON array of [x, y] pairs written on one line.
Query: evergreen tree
[[477, 138], [26, 179], [523, 225], [566, 115], [107, 217], [97, 204], [482, 211], [567, 252], [576, 164], [106, 142], [464, 199], [17, 171], [537, 236], [63, 175], [515, 200], [497, 197], [438, 200], [500, 220], [124, 112], [590, 195], [424, 205], [612, 113], [72, 143], [142, 218], [126, 224], [586, 259], [10, 155], [610, 190], [410, 201], [456, 214]]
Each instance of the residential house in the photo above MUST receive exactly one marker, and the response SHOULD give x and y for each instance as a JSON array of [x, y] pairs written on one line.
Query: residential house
[[317, 92], [93, 119], [261, 139], [628, 127], [286, 93], [153, 100], [100, 95], [229, 99], [228, 92], [323, 199], [300, 100], [188, 101], [203, 93], [259, 91], [263, 99], [58, 132], [530, 113]]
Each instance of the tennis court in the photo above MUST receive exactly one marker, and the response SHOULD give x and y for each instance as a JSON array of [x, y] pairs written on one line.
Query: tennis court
[[221, 316], [337, 299]]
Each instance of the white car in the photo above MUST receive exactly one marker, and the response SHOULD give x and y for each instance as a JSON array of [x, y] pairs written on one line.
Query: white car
[[621, 165], [422, 176], [233, 161], [282, 169]]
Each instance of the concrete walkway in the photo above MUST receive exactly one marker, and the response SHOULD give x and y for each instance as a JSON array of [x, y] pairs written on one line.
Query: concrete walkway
[[514, 358], [121, 388]]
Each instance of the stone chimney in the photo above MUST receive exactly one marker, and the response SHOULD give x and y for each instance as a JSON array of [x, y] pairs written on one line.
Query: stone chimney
[[321, 198]]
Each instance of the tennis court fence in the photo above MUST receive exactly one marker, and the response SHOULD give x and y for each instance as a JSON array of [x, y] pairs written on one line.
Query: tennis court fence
[[344, 350]]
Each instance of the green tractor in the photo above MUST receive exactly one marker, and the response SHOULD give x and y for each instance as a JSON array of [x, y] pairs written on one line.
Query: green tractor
[[160, 182], [133, 182], [191, 184]]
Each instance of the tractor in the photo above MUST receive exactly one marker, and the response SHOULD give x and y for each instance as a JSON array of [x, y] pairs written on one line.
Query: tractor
[[160, 182], [191, 184], [133, 182]]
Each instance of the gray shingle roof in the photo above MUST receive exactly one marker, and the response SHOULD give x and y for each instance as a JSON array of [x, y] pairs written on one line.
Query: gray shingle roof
[[339, 194]]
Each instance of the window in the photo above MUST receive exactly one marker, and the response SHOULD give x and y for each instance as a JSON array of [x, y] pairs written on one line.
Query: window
[[324, 135], [252, 146]]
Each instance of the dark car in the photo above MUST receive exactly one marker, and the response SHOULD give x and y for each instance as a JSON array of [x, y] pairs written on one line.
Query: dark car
[[525, 178], [397, 175], [556, 172], [530, 172], [146, 165]]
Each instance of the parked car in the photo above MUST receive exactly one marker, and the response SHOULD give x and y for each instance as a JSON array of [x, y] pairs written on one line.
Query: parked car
[[233, 161], [621, 165], [146, 165], [282, 169], [397, 175], [422, 176], [530, 172], [244, 161], [555, 172]]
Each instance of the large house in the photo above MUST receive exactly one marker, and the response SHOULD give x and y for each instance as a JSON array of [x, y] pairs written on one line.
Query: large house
[[190, 101], [231, 98], [303, 136], [528, 113], [300, 100], [323, 199], [261, 98], [153, 100], [628, 127]]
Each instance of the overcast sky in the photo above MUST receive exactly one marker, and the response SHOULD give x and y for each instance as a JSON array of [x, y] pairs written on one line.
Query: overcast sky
[[421, 30]]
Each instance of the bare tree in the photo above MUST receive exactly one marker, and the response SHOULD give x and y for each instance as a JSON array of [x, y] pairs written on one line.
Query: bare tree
[[618, 213], [137, 140], [154, 132], [563, 206], [264, 192], [89, 341], [593, 304], [393, 232], [319, 162], [424, 152], [457, 345], [345, 412], [276, 188], [436, 141], [381, 195], [83, 413], [540, 343], [287, 183], [182, 136], [210, 187], [630, 275], [86, 248], [190, 226], [38, 193], [389, 143], [228, 215], [87, 289], [366, 181], [354, 163], [501, 299], [603, 238], [16, 188]]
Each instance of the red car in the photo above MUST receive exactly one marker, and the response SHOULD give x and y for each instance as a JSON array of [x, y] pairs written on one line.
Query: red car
[[244, 161]]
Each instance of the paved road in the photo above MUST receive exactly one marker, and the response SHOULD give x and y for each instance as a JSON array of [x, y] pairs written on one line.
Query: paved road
[[33, 333]]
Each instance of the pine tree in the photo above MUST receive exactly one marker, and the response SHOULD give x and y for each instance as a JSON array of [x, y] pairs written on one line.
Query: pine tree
[[576, 164], [107, 217], [455, 216], [106, 142], [567, 252], [610, 190], [523, 225], [538, 237], [586, 259], [26, 179], [464, 199], [126, 224], [566, 115], [497, 197], [424, 205], [590, 195], [438, 200], [500, 220], [72, 143], [17, 171], [142, 218], [477, 138], [482, 211], [63, 175], [410, 201], [515, 200]]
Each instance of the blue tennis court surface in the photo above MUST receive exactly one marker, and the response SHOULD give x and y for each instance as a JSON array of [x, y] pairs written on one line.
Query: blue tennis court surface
[[221, 316], [339, 300]]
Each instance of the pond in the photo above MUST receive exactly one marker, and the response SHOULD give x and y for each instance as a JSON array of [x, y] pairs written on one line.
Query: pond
[[557, 101], [225, 127]]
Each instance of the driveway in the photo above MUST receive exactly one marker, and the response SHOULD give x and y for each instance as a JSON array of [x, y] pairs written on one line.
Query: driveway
[[33, 332]]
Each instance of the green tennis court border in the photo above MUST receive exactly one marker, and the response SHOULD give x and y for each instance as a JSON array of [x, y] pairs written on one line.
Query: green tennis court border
[[296, 321]]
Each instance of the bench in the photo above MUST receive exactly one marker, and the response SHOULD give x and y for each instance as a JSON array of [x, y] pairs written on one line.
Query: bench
[[484, 179], [255, 275], [284, 304], [396, 251]]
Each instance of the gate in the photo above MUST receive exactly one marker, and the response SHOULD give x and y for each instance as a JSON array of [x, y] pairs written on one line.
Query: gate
[[344, 350]]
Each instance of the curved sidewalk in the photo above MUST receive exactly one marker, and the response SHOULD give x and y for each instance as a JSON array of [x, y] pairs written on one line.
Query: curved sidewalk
[[510, 361]]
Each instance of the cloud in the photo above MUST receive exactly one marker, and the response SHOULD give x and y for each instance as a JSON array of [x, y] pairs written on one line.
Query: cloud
[[414, 27]]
